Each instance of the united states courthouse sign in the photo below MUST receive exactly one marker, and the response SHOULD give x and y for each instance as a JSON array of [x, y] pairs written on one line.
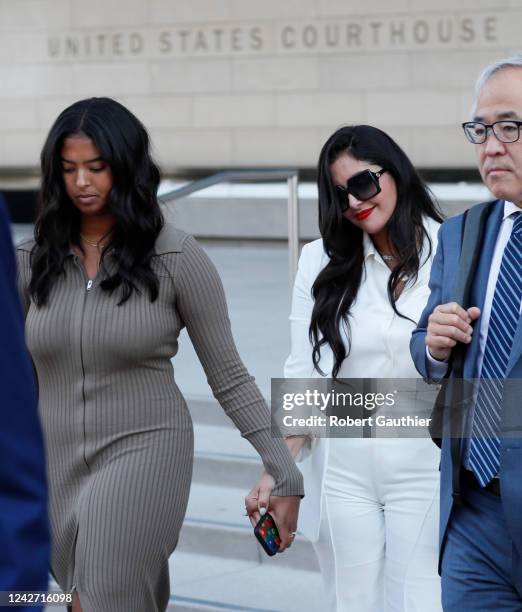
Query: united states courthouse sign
[[235, 83], [324, 36]]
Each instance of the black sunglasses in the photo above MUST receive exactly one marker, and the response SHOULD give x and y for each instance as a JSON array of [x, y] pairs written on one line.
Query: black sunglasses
[[363, 186]]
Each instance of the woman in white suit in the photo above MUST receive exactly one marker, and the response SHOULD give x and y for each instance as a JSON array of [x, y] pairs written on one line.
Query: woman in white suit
[[371, 505]]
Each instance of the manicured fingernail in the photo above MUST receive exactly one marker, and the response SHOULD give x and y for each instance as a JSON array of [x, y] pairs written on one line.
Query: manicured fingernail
[[262, 511]]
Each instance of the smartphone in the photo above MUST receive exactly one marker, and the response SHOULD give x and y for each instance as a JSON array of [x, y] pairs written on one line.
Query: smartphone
[[267, 534]]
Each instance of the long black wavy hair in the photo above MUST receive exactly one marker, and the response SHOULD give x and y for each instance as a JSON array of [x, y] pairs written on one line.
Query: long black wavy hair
[[336, 286], [124, 146]]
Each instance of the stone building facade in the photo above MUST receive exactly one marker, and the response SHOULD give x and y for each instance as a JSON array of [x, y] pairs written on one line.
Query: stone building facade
[[244, 83]]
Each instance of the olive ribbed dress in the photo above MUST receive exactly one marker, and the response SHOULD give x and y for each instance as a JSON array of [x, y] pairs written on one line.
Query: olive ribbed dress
[[118, 433]]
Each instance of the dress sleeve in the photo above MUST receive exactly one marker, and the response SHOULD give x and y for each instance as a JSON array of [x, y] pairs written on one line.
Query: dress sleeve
[[202, 306]]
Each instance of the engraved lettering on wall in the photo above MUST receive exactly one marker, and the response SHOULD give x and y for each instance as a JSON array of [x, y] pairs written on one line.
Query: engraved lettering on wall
[[320, 36]]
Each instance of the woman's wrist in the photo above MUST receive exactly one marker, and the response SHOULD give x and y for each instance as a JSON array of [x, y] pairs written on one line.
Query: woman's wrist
[[295, 444]]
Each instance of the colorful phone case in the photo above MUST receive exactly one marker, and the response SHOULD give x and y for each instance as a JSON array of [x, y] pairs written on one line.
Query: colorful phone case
[[267, 534]]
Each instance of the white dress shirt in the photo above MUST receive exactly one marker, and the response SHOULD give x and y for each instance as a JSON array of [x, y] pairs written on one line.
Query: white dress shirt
[[379, 337]]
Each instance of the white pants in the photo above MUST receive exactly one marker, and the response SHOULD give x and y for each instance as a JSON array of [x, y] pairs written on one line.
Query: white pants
[[378, 541]]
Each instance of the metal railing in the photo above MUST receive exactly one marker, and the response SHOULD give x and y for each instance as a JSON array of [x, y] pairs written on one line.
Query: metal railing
[[230, 176]]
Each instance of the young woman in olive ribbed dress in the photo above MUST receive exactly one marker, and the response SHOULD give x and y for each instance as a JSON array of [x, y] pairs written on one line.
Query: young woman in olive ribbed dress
[[107, 286]]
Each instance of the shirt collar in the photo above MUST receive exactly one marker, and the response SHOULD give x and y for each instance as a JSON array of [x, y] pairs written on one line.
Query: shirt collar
[[509, 209], [369, 249]]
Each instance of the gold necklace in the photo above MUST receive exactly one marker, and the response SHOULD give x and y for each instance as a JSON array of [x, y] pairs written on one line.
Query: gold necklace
[[98, 244]]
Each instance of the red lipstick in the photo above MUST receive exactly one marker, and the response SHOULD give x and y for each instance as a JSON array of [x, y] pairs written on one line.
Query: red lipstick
[[364, 214]]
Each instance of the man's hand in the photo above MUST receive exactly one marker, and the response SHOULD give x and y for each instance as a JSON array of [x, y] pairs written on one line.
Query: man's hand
[[447, 325]]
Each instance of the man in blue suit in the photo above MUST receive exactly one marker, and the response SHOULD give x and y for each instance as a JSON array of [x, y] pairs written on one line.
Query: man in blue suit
[[24, 538], [481, 482]]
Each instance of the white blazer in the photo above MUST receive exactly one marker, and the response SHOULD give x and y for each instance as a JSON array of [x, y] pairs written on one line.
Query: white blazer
[[314, 457]]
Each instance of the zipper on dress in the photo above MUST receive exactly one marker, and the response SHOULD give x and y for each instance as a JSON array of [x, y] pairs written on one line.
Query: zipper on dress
[[88, 287]]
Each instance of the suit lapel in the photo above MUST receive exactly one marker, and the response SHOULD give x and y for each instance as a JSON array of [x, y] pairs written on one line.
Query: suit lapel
[[478, 289]]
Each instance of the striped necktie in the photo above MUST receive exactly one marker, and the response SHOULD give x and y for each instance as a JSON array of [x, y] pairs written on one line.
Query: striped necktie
[[484, 447]]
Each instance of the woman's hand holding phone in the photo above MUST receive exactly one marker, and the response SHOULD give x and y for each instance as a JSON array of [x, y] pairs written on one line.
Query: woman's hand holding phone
[[284, 509]]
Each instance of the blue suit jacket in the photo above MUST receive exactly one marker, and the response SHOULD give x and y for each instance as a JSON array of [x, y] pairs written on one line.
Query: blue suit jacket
[[24, 538], [443, 284]]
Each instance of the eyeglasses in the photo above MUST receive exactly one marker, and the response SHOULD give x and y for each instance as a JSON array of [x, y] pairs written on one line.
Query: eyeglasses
[[505, 131], [363, 186]]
